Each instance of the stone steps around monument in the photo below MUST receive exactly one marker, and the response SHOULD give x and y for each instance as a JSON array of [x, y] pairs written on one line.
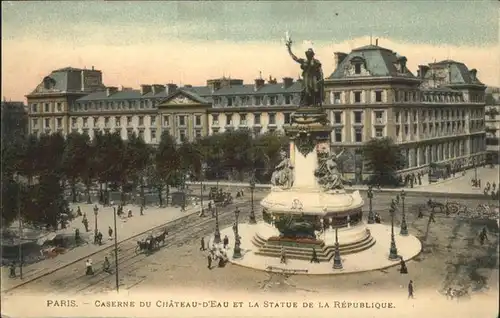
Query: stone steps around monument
[[325, 254]]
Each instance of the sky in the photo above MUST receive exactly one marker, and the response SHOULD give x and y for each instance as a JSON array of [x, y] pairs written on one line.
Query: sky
[[188, 42]]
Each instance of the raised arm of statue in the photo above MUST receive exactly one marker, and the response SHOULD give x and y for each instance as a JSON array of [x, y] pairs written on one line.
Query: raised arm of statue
[[294, 57], [340, 154]]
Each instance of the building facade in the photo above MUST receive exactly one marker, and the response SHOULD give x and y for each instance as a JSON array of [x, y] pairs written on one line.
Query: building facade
[[437, 116], [492, 119], [49, 103]]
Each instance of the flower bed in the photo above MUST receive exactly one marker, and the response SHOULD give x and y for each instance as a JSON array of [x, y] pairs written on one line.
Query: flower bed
[[296, 242]]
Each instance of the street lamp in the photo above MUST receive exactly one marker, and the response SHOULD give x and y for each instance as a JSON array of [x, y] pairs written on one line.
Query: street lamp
[[475, 169], [337, 261], [393, 251], [96, 212], [202, 173], [116, 250], [371, 217], [404, 226], [252, 212], [217, 232], [237, 243]]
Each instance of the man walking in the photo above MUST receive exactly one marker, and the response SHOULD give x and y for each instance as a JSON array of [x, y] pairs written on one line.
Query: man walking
[[225, 241], [410, 290], [202, 243], [209, 260], [110, 233]]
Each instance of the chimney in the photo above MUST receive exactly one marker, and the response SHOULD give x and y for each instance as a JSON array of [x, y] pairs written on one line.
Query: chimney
[[339, 57], [422, 70], [111, 90], [170, 88], [272, 80], [473, 74], [145, 89], [402, 63], [259, 82], [157, 88], [287, 82], [92, 67], [376, 42]]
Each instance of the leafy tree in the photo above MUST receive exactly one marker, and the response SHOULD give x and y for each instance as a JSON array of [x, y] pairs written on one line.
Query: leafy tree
[[50, 153], [383, 158], [27, 164], [237, 147], [136, 158], [76, 160], [10, 201], [266, 154], [167, 164]]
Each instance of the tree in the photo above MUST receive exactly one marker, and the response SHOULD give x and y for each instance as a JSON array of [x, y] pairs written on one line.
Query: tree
[[236, 146], [383, 158], [50, 153], [167, 164], [137, 155], [27, 164], [265, 155], [76, 160]]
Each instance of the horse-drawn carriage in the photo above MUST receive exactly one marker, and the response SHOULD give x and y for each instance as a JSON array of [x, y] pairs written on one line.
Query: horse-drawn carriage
[[152, 242], [220, 197]]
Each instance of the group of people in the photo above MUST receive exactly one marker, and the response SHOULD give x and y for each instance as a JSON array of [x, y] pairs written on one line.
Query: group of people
[[215, 253], [89, 270]]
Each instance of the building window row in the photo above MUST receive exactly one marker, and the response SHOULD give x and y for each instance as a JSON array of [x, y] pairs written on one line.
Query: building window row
[[115, 105], [258, 100]]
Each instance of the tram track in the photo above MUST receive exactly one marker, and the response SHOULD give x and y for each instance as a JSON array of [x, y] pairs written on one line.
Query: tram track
[[179, 231]]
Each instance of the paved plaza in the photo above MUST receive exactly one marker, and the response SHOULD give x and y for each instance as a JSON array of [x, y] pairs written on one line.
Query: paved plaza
[[374, 258]]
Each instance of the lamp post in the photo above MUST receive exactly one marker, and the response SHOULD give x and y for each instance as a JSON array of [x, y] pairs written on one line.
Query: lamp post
[[237, 243], [116, 251], [475, 168], [252, 212], [337, 261], [404, 226], [371, 217], [393, 251], [202, 174], [96, 212]]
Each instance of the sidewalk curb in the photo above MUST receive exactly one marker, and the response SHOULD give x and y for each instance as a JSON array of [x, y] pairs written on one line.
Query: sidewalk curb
[[93, 253]]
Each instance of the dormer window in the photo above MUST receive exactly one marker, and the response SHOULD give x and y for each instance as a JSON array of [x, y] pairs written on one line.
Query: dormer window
[[357, 68]]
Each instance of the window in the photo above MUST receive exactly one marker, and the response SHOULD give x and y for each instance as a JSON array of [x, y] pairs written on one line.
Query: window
[[357, 117], [272, 100], [272, 119], [166, 120], [141, 134], [59, 107], [256, 119], [129, 120], [215, 119], [182, 135], [406, 130], [197, 133], [338, 135], [47, 123], [245, 100], [197, 120], [130, 132], [59, 122], [85, 106], [141, 120], [117, 121], [230, 101], [288, 99], [357, 68], [287, 118], [47, 108], [141, 104], [379, 132], [336, 98], [398, 131], [85, 121], [153, 135], [243, 119], [358, 135], [258, 100], [229, 119], [34, 123], [396, 117], [73, 122], [95, 120], [337, 118], [357, 97], [152, 120], [106, 121], [182, 120], [378, 96], [34, 108]]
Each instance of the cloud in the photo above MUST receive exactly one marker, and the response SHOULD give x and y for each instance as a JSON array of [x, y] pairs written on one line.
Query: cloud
[[26, 62]]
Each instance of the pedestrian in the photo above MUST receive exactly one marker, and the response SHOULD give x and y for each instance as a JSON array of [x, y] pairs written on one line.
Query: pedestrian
[[85, 223], [403, 269], [483, 236], [209, 260], [202, 247], [77, 237], [431, 218], [142, 210], [12, 270], [225, 241], [88, 265], [99, 238], [283, 255], [314, 258], [79, 211], [106, 266], [410, 289], [129, 213], [110, 233]]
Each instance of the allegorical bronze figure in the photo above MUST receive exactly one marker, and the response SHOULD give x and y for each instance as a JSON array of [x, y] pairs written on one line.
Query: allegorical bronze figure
[[312, 77]]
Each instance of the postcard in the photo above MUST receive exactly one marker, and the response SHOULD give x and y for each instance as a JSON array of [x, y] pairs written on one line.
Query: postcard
[[250, 159]]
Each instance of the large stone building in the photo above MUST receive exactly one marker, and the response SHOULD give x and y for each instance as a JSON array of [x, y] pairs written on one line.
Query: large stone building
[[14, 120], [437, 116], [492, 118], [49, 103]]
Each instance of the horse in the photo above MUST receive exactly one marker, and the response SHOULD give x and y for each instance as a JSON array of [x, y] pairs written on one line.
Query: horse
[[142, 246], [161, 238], [434, 204]]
